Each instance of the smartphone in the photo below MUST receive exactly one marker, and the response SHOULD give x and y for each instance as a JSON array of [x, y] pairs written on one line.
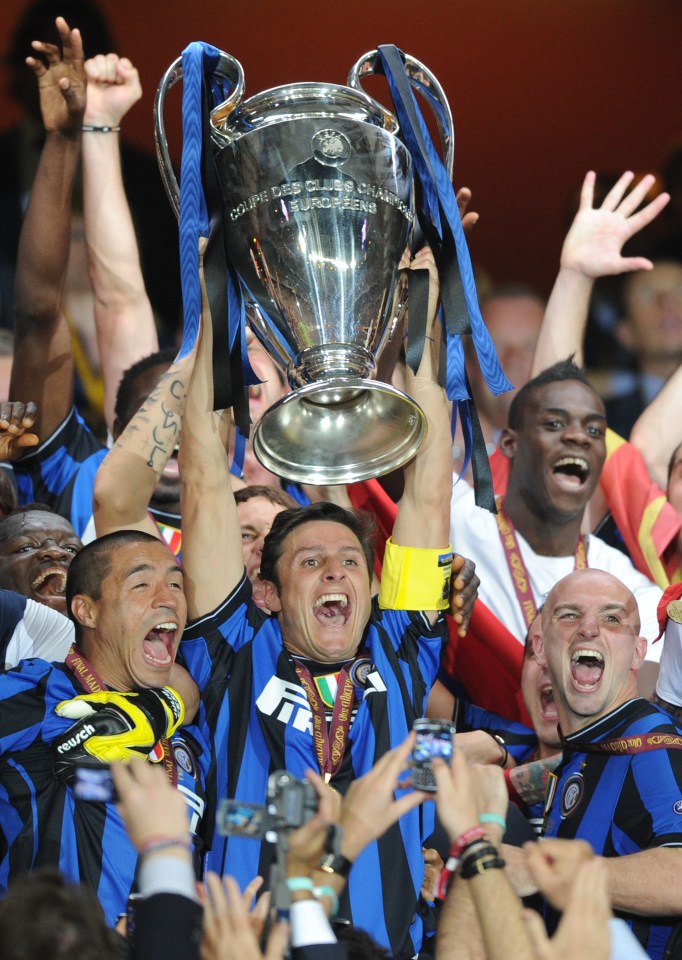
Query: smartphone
[[94, 783], [434, 739]]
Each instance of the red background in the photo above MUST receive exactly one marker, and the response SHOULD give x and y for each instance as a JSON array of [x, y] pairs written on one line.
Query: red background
[[541, 90]]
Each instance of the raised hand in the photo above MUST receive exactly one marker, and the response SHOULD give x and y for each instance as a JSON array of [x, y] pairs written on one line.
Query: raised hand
[[113, 88], [594, 242], [61, 83], [464, 586], [15, 420], [469, 219], [370, 808]]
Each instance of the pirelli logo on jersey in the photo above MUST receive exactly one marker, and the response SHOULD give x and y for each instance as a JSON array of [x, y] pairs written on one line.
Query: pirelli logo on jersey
[[287, 702]]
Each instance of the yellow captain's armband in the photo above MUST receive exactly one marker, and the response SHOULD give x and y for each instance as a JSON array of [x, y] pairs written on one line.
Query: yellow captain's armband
[[415, 578]]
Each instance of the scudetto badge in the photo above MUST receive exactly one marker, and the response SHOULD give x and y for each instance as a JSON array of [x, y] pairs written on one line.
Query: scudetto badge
[[571, 798]]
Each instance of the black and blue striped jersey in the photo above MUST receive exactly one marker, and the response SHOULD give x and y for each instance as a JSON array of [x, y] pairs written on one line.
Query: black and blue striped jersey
[[624, 803], [257, 714], [42, 822]]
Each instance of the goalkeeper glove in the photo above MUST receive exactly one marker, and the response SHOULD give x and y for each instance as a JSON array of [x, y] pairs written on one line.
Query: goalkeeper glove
[[113, 727]]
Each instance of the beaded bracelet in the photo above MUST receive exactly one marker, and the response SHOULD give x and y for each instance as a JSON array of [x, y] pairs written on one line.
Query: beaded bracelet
[[91, 128]]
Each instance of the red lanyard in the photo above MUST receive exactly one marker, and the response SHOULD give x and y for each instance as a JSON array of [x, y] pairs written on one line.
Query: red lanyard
[[330, 743], [517, 567], [86, 674]]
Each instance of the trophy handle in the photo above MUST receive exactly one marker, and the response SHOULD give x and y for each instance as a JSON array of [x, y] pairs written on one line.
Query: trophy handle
[[423, 80], [229, 69]]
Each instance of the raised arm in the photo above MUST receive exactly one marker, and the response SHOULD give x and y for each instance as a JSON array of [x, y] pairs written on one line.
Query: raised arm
[[657, 433], [123, 314], [423, 518], [43, 365], [212, 556], [592, 249]]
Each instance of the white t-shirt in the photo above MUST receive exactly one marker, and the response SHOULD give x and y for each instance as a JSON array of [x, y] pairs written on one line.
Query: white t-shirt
[[474, 534]]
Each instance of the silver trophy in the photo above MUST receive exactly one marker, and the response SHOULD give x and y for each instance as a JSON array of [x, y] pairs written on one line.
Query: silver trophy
[[317, 209]]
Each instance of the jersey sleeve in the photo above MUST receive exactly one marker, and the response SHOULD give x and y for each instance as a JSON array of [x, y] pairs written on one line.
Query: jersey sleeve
[[61, 471], [648, 524], [209, 644], [39, 632]]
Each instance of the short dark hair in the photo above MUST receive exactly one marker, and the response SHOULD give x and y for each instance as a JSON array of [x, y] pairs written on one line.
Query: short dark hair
[[124, 394], [92, 565], [42, 915], [362, 524], [275, 495], [558, 372], [6, 528]]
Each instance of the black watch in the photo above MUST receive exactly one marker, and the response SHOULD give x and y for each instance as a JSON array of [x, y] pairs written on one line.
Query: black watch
[[335, 863]]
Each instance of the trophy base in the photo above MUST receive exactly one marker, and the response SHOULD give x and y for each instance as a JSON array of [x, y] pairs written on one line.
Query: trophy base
[[339, 430]]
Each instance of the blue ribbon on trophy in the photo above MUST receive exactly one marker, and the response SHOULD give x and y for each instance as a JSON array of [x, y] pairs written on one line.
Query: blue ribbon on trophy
[[438, 217], [200, 215]]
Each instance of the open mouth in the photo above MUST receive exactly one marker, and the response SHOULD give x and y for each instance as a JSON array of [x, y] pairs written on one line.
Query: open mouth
[[573, 471], [332, 609], [587, 667], [159, 644], [50, 582], [547, 706]]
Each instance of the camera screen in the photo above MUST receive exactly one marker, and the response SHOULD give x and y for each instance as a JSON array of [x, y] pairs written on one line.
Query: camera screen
[[94, 784], [432, 743], [241, 819]]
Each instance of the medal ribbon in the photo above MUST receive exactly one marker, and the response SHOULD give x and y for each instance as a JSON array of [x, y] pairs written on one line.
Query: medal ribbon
[[638, 743], [517, 566], [330, 742], [91, 682]]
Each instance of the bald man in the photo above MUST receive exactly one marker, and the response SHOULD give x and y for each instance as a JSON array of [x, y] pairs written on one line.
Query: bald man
[[620, 783]]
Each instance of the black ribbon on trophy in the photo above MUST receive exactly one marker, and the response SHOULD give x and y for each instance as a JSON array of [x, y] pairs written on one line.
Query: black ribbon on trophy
[[305, 194]]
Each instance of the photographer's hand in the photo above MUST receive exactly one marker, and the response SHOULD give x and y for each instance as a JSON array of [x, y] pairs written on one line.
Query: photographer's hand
[[370, 807], [228, 931]]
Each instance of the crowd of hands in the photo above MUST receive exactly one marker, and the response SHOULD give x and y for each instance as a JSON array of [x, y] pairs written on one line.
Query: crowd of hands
[[566, 872]]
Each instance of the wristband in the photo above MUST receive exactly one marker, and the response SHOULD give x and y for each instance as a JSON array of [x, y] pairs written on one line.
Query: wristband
[[300, 883], [415, 578], [164, 843], [328, 892], [486, 859], [494, 818], [472, 837], [91, 128], [502, 762], [468, 837], [513, 793]]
